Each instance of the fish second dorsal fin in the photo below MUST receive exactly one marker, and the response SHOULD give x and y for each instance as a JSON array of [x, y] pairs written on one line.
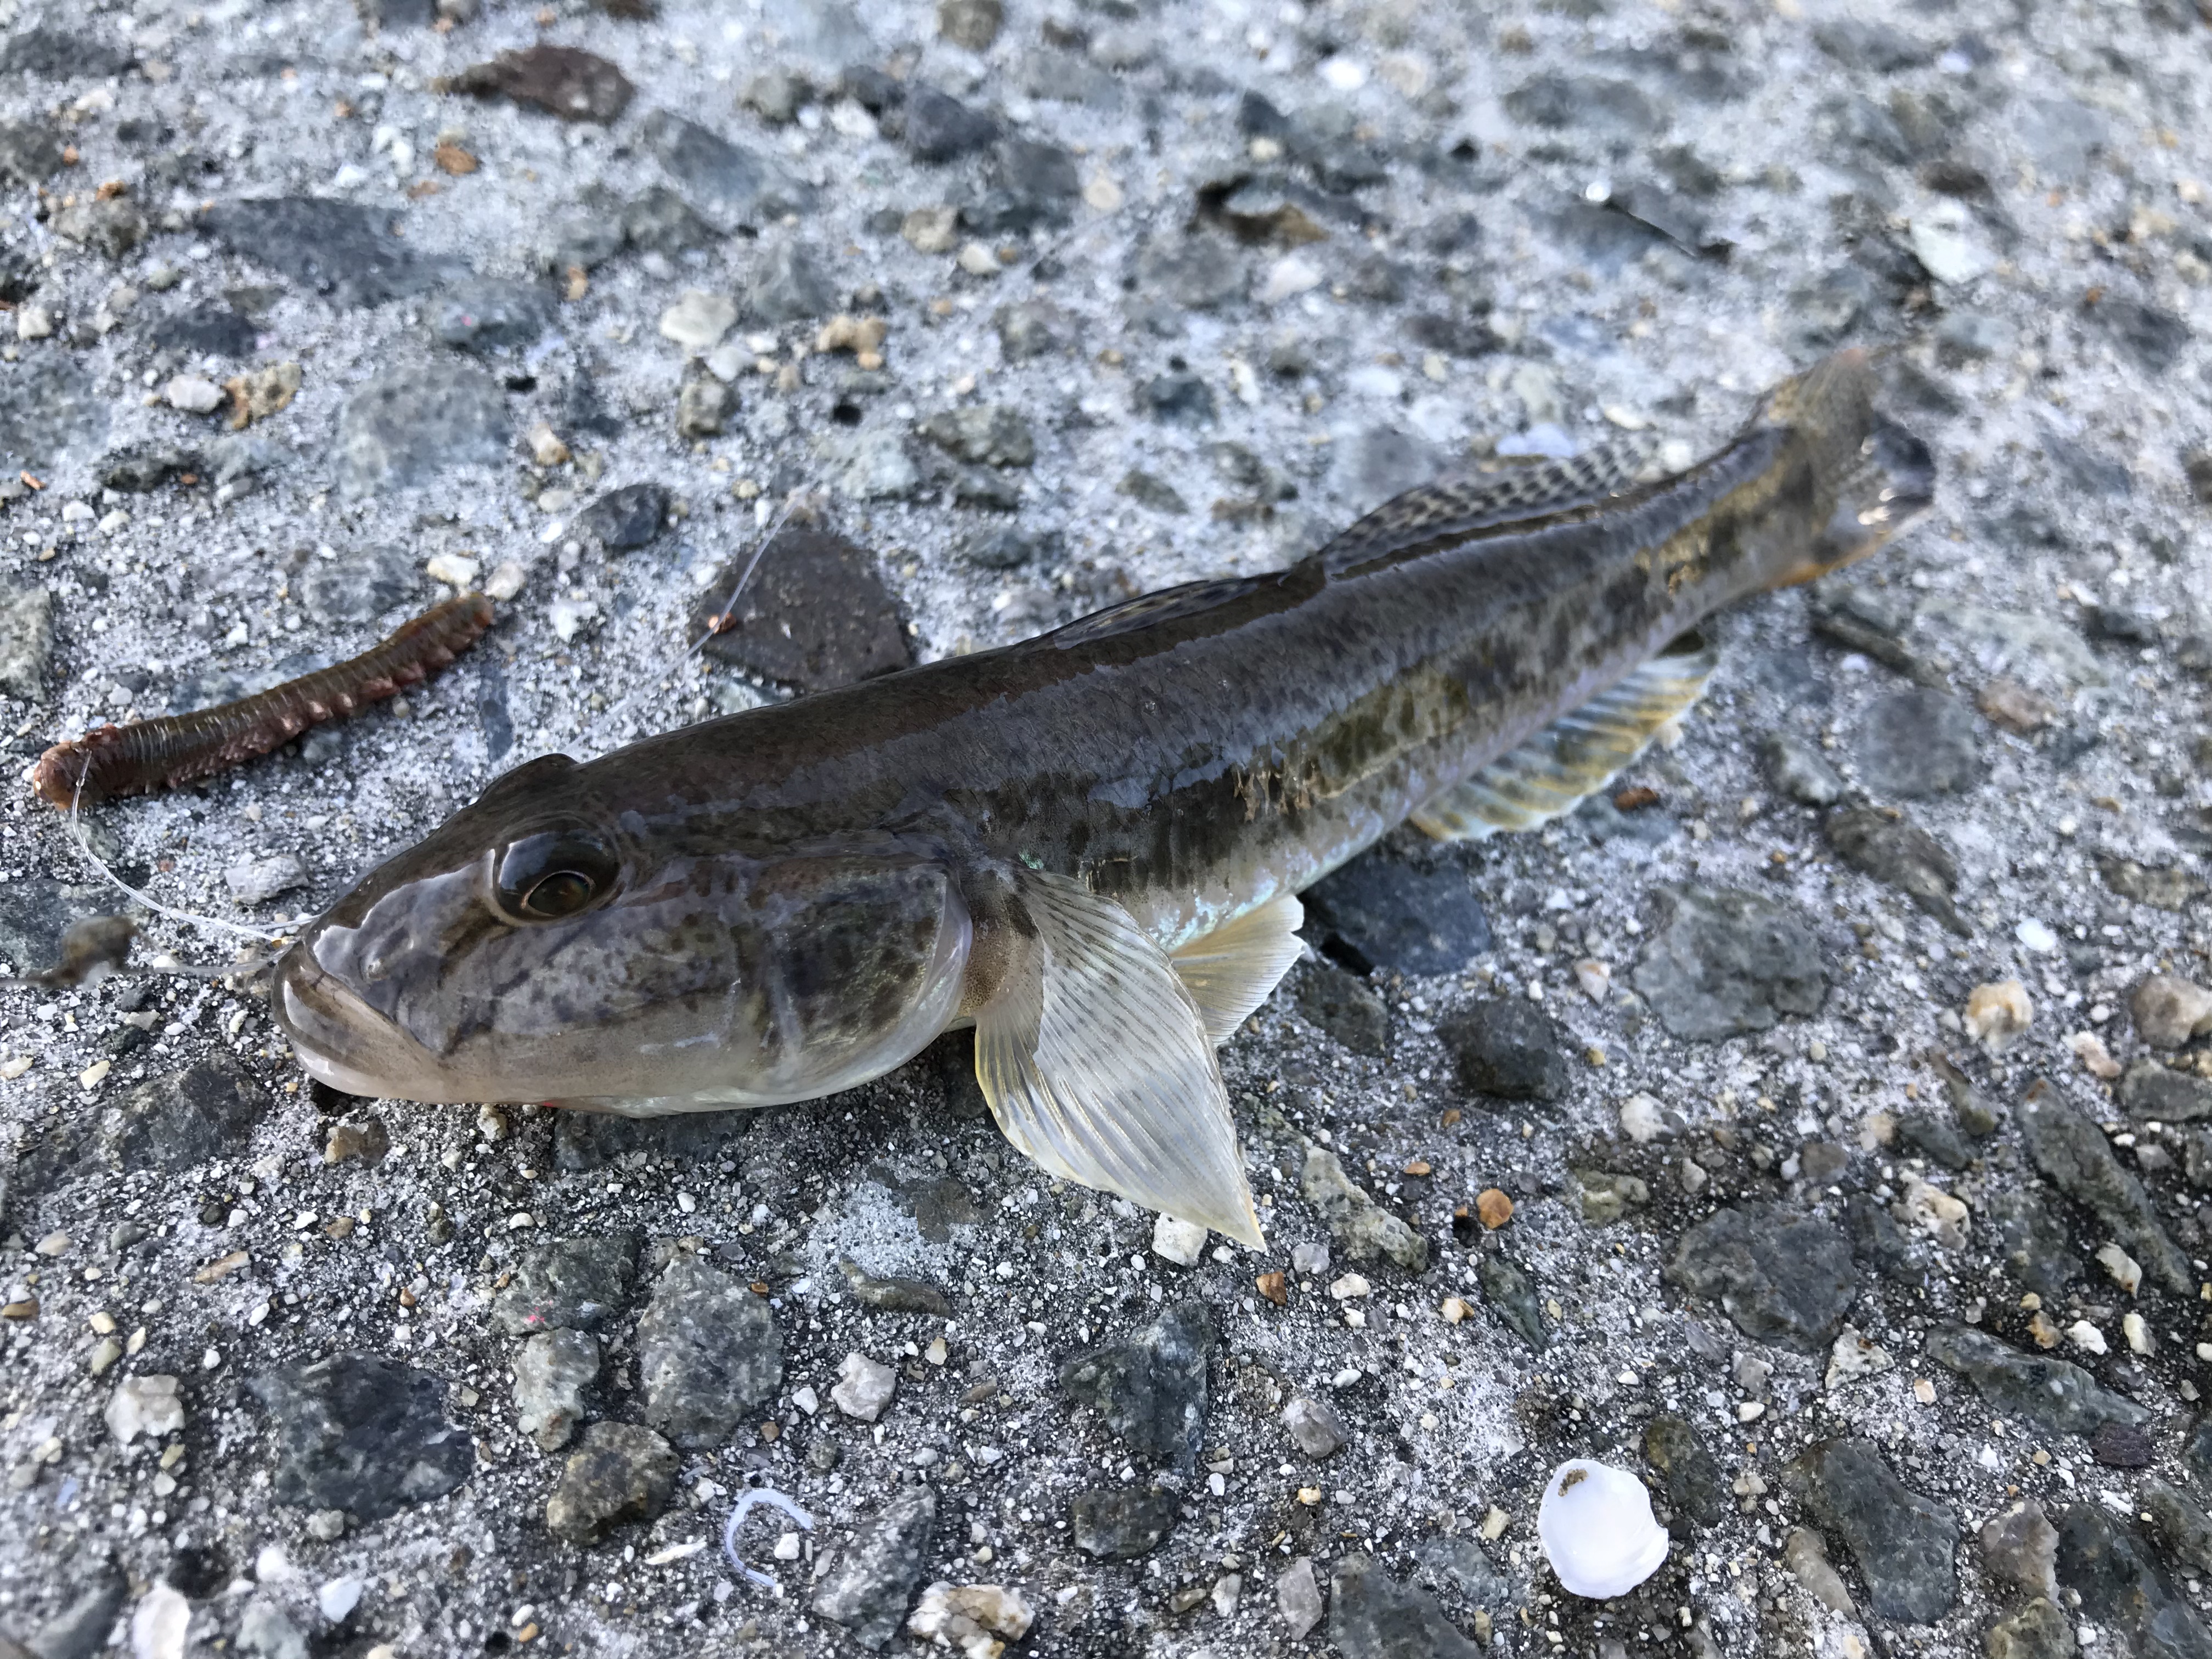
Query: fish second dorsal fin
[[1230, 972], [1575, 755], [1094, 1060], [1461, 502]]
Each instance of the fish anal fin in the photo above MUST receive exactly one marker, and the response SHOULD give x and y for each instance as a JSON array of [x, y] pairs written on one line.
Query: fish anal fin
[[1094, 1060], [1232, 969], [1576, 756]]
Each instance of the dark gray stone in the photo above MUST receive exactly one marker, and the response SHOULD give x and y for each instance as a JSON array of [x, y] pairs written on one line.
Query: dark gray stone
[[726, 183], [1178, 396], [2053, 1394], [869, 1583], [1919, 743], [815, 614], [1510, 1047], [29, 154], [1727, 963], [658, 221], [1383, 912], [2185, 1528], [207, 1110], [788, 286], [1031, 328], [1009, 549], [569, 1284], [2151, 1088], [1149, 489], [940, 127], [110, 226], [80, 1630], [982, 434], [619, 1472], [50, 411], [1349, 1009], [2019, 1548], [64, 52], [627, 519], [1120, 1524], [1372, 1616], [1594, 103], [205, 331], [359, 586], [142, 467], [1902, 1541], [1028, 185], [2124, 1591], [1513, 1297], [707, 1353], [1860, 43], [2197, 1453], [2034, 1243], [1686, 1469], [1783, 1277], [2073, 1154], [1938, 1138], [1150, 1387], [2171, 888], [339, 249], [2152, 338], [1464, 1566], [26, 641], [409, 424], [893, 1295], [1900, 853], [361, 1433], [1192, 273], [491, 313]]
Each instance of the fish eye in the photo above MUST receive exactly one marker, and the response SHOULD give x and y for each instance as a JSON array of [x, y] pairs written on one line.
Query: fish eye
[[553, 874]]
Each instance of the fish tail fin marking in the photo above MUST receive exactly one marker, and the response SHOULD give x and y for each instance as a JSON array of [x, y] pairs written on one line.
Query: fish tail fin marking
[[1094, 1060], [1880, 477], [1232, 969], [1576, 756]]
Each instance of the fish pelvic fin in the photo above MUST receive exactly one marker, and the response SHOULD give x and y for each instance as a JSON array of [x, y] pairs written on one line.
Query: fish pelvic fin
[[1577, 755], [1880, 477], [1095, 1059], [1233, 969]]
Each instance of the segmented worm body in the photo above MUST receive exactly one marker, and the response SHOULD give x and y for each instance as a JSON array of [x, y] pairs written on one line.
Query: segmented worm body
[[177, 749]]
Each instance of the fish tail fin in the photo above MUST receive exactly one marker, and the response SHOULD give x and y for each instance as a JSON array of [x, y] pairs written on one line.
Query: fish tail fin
[[1877, 477]]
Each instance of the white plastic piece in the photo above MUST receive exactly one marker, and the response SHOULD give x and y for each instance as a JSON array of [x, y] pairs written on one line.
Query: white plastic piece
[[1597, 1530]]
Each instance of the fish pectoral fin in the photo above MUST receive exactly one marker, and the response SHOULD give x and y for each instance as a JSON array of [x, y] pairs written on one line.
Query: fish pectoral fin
[[1231, 970], [1575, 755], [1094, 1057]]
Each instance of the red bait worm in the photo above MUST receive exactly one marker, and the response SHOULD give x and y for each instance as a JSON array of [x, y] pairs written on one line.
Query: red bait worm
[[161, 753]]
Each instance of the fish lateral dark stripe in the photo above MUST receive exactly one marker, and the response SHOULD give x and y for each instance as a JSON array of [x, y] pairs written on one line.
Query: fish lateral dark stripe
[[178, 749]]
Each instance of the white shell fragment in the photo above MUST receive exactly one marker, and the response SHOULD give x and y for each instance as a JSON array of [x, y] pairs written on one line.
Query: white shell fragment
[[1597, 1531]]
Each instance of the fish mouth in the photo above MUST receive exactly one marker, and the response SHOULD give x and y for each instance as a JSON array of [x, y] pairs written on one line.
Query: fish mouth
[[343, 1042]]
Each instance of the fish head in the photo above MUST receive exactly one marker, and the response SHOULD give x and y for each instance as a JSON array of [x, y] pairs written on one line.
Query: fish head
[[543, 946], [1889, 489]]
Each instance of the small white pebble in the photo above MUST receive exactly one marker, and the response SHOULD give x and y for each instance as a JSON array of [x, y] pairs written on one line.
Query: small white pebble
[[2084, 1335]]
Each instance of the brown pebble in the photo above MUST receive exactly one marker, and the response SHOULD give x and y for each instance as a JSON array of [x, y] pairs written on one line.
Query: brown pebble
[[2013, 706], [1418, 1167], [1275, 1288], [1494, 1207], [221, 1267], [1636, 797]]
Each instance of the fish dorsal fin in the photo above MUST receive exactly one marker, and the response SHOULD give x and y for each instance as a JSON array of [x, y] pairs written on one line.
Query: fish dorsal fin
[[1094, 1058], [1462, 502], [1575, 755], [1230, 972]]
